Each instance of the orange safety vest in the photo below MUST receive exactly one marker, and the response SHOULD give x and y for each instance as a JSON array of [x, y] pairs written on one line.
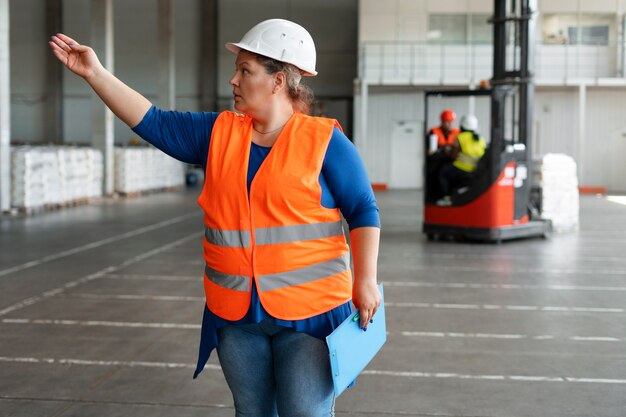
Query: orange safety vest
[[442, 140], [279, 236]]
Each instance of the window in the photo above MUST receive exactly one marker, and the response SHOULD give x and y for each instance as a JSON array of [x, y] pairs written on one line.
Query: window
[[482, 30], [588, 29], [447, 28], [459, 29], [589, 35]]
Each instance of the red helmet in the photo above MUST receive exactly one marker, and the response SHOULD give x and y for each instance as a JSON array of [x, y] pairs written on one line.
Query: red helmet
[[448, 115]]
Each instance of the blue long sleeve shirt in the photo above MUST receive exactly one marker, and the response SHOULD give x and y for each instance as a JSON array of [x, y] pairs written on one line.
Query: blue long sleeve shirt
[[343, 179]]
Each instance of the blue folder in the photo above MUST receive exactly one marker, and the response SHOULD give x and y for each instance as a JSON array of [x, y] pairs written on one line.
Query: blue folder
[[351, 349]]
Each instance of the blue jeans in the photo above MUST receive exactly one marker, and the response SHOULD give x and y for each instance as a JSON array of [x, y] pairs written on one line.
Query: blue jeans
[[272, 369]]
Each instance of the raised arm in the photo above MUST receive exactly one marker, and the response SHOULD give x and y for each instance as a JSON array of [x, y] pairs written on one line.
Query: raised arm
[[124, 102]]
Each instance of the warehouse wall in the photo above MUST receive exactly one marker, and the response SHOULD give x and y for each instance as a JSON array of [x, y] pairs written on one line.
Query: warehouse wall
[[384, 110], [28, 69], [595, 6], [335, 27], [389, 106], [135, 62], [408, 19], [332, 23], [605, 139], [556, 124], [599, 156]]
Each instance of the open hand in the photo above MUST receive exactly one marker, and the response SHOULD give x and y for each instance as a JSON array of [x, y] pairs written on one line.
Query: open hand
[[79, 59]]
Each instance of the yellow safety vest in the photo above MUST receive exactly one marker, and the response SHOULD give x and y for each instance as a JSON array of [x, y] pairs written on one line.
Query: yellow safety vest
[[470, 153]]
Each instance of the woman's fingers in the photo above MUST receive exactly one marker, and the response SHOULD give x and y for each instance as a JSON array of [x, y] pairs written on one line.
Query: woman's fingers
[[66, 44], [365, 318], [366, 298], [59, 52], [55, 47], [69, 41], [70, 53], [60, 43], [367, 315]]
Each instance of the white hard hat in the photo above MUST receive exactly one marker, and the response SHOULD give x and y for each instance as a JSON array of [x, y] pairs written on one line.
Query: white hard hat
[[281, 40], [469, 122]]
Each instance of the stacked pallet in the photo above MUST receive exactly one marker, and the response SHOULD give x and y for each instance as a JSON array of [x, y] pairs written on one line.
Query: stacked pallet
[[82, 172], [45, 176], [556, 176], [142, 169]]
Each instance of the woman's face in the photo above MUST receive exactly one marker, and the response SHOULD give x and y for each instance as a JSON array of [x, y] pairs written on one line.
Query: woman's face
[[252, 85]]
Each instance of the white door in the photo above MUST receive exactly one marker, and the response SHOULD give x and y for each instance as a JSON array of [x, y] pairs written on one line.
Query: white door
[[407, 148]]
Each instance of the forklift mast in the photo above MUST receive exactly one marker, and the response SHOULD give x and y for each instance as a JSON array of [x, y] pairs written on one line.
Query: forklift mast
[[513, 87]]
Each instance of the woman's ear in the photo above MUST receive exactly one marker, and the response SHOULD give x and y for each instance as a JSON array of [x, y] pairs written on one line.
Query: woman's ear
[[280, 81]]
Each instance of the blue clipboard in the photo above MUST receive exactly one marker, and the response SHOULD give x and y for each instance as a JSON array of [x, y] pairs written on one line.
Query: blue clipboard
[[351, 348]]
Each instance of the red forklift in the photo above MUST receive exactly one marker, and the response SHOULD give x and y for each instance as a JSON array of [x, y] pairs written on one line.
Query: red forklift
[[496, 203]]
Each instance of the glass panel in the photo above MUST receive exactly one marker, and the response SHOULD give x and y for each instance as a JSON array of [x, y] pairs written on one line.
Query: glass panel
[[590, 35], [510, 118], [447, 28], [595, 29], [482, 30], [554, 28]]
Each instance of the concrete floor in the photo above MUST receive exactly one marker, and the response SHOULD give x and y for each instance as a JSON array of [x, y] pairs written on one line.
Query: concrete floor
[[100, 309]]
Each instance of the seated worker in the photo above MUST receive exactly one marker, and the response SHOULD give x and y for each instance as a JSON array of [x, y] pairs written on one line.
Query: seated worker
[[440, 140], [467, 150]]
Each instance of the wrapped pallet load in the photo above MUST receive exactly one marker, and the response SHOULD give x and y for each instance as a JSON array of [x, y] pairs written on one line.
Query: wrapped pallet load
[[27, 177], [139, 169], [556, 176], [44, 176]]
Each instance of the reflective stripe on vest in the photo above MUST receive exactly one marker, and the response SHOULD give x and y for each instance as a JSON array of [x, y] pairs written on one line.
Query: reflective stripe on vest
[[467, 161], [227, 238], [273, 235], [304, 275], [284, 234], [233, 282]]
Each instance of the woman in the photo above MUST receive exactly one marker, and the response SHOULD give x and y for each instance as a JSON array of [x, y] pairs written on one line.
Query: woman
[[277, 275]]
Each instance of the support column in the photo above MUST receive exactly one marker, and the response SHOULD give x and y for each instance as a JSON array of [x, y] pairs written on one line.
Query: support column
[[619, 40], [582, 105], [101, 117], [208, 56], [53, 117], [167, 59], [471, 100], [362, 140], [5, 116]]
